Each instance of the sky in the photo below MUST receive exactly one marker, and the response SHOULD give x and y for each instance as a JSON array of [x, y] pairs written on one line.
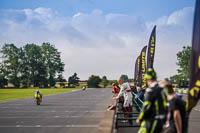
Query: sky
[[100, 37]]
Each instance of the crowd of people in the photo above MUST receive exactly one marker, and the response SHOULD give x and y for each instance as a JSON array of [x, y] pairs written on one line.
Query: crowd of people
[[163, 110]]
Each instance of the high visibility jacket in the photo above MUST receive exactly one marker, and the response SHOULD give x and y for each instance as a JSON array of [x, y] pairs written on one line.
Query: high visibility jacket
[[155, 104], [38, 95]]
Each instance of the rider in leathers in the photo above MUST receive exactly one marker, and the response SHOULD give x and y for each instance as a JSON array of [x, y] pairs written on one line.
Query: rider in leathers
[[153, 115]]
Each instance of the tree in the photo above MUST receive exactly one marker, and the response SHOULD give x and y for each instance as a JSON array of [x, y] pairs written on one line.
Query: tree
[[73, 80], [25, 70], [104, 81], [183, 63], [3, 79], [52, 61], [11, 61], [61, 80], [33, 67], [183, 57], [60, 76], [94, 81]]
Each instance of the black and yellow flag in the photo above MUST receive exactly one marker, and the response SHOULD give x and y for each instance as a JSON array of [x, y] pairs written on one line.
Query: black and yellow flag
[[194, 84], [137, 66], [151, 48], [142, 69]]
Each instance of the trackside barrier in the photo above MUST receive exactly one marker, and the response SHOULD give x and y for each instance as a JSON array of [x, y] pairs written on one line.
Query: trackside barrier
[[133, 115], [107, 123]]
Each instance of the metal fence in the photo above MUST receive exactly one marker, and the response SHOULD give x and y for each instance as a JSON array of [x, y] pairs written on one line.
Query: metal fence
[[132, 116]]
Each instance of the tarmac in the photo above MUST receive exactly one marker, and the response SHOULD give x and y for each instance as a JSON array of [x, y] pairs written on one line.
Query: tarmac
[[74, 112]]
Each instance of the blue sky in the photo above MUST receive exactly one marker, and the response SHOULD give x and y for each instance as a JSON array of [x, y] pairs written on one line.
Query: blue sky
[[148, 9], [102, 37]]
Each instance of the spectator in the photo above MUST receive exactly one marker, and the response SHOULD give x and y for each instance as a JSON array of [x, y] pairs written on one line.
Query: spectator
[[125, 91], [176, 112], [116, 88], [164, 83], [140, 94]]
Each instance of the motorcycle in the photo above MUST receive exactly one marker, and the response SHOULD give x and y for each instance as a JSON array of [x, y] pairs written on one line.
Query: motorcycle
[[38, 99], [83, 88]]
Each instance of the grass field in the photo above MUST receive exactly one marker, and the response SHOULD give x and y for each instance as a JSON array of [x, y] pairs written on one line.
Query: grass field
[[15, 94]]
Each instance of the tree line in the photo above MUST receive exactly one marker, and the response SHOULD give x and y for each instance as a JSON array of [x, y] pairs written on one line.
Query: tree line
[[93, 81], [31, 64]]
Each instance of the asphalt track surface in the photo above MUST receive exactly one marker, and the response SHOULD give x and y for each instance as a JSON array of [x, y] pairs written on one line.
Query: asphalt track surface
[[74, 112]]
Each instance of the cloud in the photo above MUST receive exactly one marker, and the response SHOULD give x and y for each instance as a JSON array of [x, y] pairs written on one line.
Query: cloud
[[174, 32], [98, 43]]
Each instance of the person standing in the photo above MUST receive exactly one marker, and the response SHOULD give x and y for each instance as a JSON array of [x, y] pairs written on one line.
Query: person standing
[[140, 94], [126, 92], [116, 88], [177, 112], [115, 91], [153, 114]]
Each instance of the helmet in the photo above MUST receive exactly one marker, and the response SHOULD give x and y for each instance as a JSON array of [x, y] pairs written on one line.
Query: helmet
[[124, 78], [150, 74]]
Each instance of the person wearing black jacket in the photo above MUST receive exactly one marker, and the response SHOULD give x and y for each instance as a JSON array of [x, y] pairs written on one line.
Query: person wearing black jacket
[[153, 115], [177, 120]]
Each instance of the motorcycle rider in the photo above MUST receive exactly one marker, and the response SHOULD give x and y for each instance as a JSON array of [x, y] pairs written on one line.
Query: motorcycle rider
[[83, 88], [153, 115], [38, 94]]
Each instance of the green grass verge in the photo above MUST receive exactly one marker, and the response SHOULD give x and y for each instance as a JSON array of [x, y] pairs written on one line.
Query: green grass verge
[[15, 94]]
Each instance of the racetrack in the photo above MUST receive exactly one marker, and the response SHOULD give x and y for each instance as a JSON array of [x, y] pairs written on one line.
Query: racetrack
[[74, 112]]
